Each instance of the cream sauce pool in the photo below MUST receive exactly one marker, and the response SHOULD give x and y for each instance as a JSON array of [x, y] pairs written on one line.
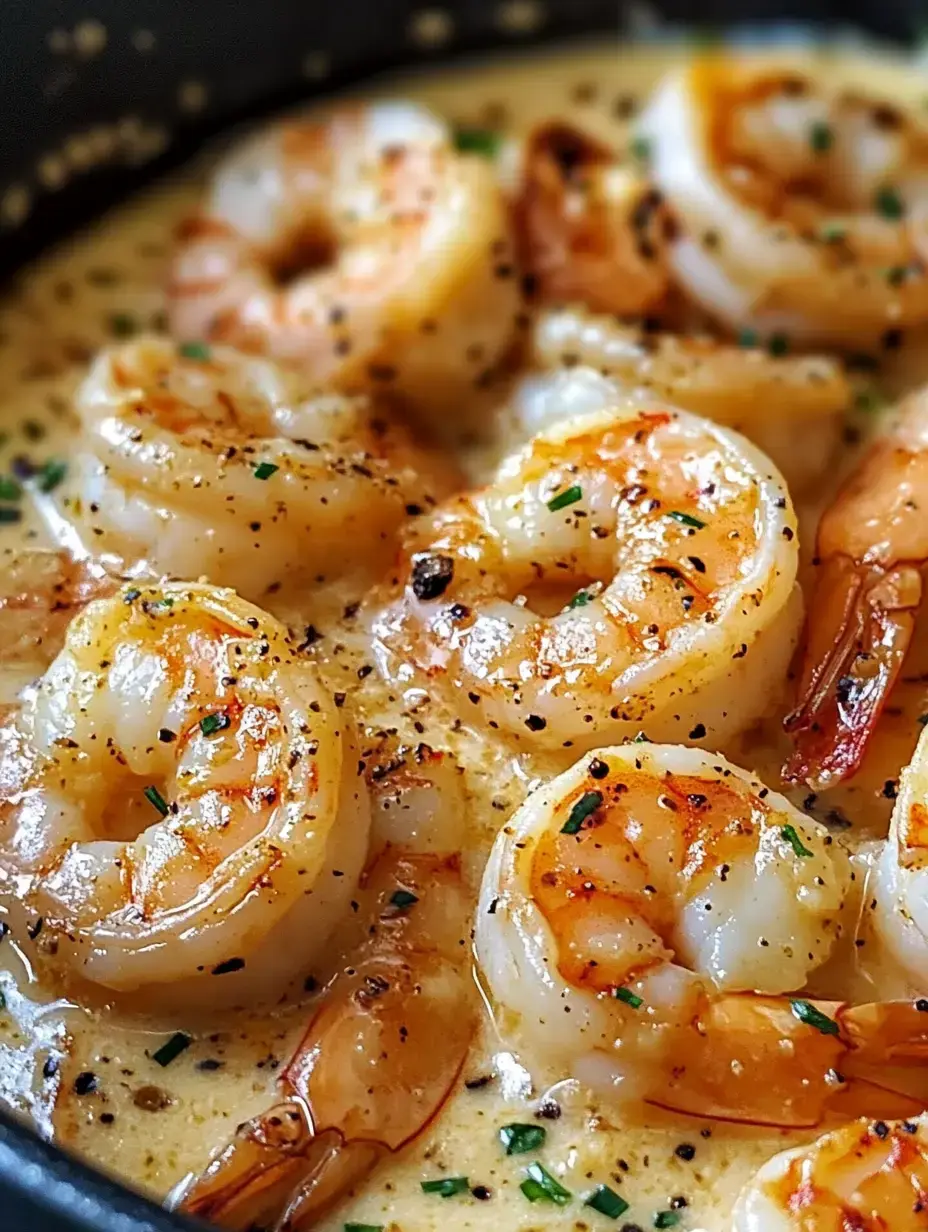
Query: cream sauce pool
[[89, 1077]]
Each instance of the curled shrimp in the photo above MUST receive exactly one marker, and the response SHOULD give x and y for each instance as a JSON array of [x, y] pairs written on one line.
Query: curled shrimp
[[773, 400], [386, 1044], [177, 794], [361, 246], [867, 1175], [588, 228], [871, 548], [202, 460], [640, 917], [630, 568], [803, 205]]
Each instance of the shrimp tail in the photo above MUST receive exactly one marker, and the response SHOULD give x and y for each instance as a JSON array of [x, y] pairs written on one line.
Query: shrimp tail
[[860, 627]]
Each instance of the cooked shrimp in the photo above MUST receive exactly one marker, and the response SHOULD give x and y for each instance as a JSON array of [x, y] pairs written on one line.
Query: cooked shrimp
[[205, 461], [386, 1045], [177, 795], [871, 549], [640, 916], [588, 228], [803, 206], [360, 246], [773, 400], [865, 1175], [630, 568]]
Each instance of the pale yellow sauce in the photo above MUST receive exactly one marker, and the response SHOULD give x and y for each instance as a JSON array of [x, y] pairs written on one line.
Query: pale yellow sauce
[[154, 1125]]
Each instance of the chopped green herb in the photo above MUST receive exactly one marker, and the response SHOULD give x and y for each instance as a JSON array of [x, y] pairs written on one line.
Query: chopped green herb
[[519, 1138], [630, 998], [9, 488], [832, 232], [2, 1000], [178, 1043], [580, 599], [9, 516], [867, 400], [666, 1219], [640, 149], [542, 1186], [568, 497], [585, 807], [789, 833], [447, 1187], [161, 605], [821, 137], [194, 350], [641, 738], [748, 338], [211, 723], [888, 202], [687, 519], [154, 797], [477, 141], [363, 1227], [264, 470], [122, 325], [806, 1012], [607, 1202], [778, 345], [403, 900], [51, 474]]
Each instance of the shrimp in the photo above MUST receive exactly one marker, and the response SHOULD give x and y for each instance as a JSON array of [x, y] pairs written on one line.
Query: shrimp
[[803, 206], [627, 568], [865, 1175], [178, 794], [386, 1044], [360, 246], [587, 228], [871, 548], [772, 400], [640, 918], [206, 461]]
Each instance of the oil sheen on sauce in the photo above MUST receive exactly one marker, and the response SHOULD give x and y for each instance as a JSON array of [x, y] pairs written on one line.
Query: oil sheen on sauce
[[92, 1078]]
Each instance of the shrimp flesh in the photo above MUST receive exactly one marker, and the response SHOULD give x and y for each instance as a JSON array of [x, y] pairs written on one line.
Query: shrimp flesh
[[202, 460], [392, 1031], [361, 246], [630, 568], [772, 400], [864, 1175], [803, 206], [871, 549], [640, 918], [177, 794]]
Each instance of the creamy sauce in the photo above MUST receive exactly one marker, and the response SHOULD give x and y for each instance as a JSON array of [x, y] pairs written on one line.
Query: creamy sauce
[[88, 1076]]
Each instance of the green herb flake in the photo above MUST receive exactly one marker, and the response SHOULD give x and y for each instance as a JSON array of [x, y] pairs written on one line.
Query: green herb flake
[[585, 807], [194, 350], [778, 345], [481, 141], [806, 1012], [264, 470], [888, 203], [607, 1202], [542, 1186], [518, 1138], [666, 1219], [212, 723], [580, 599], [447, 1187], [402, 900], [9, 488], [2, 1001], [628, 997], [821, 137], [122, 325], [748, 338], [790, 834], [832, 232], [687, 519], [9, 516], [170, 1051], [640, 149], [155, 798], [362, 1227], [51, 475], [868, 401], [568, 497], [161, 605]]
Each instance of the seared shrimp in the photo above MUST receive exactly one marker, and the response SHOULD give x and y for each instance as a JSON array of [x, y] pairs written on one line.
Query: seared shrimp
[[640, 916], [206, 461], [177, 795], [630, 568], [773, 400], [865, 1175], [803, 206], [360, 246], [871, 550], [588, 228], [391, 1033]]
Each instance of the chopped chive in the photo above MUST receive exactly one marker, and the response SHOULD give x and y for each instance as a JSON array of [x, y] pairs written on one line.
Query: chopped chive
[[821, 137], [9, 488], [867, 400], [154, 797], [362, 1227], [542, 1186], [687, 519], [640, 149], [832, 232], [194, 350], [630, 998], [580, 599], [447, 1187], [806, 1012], [264, 470], [2, 1000], [161, 605], [518, 1138], [778, 345], [8, 516], [748, 338], [607, 1202], [477, 141], [641, 738], [888, 202], [666, 1219], [585, 807], [51, 474], [403, 900], [122, 325], [568, 497], [178, 1043], [790, 834], [211, 723]]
